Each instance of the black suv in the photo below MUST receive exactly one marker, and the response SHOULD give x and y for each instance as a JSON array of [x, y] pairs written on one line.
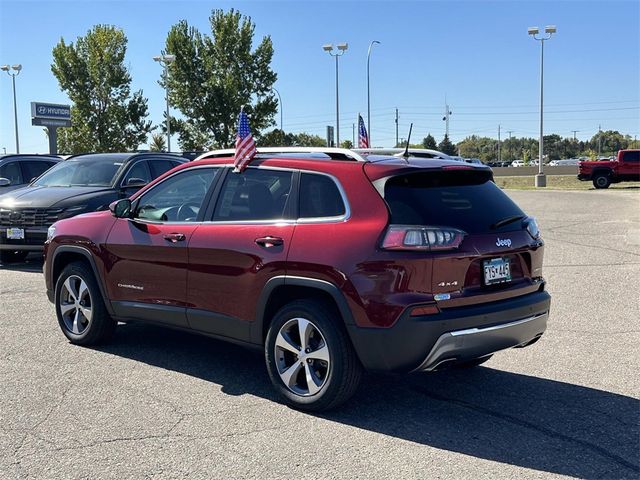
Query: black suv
[[17, 171], [80, 184]]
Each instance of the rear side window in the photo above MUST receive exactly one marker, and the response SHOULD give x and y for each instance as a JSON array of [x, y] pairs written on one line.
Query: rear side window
[[467, 200], [255, 194], [34, 169], [319, 197], [631, 156], [158, 167]]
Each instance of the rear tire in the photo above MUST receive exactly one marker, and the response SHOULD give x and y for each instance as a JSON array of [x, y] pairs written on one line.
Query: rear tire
[[602, 180], [12, 256], [318, 372], [82, 315]]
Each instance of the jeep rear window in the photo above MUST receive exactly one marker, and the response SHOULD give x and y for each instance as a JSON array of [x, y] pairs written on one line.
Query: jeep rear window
[[464, 199]]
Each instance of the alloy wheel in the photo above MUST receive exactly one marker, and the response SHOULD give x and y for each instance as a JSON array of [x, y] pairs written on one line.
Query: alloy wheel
[[75, 304], [302, 357]]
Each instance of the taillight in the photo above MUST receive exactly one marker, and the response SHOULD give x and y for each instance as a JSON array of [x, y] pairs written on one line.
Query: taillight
[[411, 237], [532, 227]]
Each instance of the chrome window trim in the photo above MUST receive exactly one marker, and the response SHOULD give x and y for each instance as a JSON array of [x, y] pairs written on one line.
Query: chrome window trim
[[275, 221]]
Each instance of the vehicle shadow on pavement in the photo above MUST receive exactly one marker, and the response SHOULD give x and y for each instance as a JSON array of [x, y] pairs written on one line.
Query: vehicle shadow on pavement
[[33, 264], [505, 417]]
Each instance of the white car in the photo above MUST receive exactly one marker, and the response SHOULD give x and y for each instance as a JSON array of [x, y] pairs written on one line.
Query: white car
[[517, 163]]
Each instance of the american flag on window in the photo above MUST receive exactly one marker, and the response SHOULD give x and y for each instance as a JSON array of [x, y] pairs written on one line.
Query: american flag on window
[[245, 145], [363, 137]]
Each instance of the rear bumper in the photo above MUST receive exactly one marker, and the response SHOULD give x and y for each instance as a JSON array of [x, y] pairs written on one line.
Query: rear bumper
[[455, 334]]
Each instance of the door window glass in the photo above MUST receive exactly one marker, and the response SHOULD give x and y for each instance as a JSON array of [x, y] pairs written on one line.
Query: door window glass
[[319, 197], [632, 156], [255, 194], [139, 171], [11, 171], [33, 170], [178, 198]]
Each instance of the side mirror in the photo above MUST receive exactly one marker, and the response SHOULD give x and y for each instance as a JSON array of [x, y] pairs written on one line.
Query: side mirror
[[4, 182], [121, 208], [135, 183]]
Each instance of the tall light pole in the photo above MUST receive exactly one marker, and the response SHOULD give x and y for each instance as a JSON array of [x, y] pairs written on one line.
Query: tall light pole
[[342, 47], [279, 106], [541, 180], [166, 60], [16, 68], [375, 42]]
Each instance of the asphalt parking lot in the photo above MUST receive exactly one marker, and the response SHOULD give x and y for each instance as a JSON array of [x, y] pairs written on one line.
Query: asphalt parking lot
[[162, 404]]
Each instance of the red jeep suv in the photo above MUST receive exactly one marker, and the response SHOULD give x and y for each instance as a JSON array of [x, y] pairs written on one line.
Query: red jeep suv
[[332, 262]]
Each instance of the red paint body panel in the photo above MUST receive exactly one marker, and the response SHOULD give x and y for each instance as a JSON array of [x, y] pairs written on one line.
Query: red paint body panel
[[139, 256], [228, 270]]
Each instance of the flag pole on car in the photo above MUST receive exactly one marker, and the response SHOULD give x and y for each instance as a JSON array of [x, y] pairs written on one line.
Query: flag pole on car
[[245, 144]]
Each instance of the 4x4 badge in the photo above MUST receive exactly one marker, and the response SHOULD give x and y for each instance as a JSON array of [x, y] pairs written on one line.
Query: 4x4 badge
[[503, 242]]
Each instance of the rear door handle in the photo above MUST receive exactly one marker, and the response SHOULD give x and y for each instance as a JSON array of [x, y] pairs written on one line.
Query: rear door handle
[[269, 241], [175, 237]]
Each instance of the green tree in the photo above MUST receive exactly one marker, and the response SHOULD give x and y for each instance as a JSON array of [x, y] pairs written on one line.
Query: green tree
[[106, 116], [307, 140], [446, 146], [346, 144], [157, 143], [429, 142], [214, 76]]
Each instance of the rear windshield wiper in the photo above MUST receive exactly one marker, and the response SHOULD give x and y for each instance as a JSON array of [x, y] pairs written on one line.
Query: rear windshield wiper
[[506, 221]]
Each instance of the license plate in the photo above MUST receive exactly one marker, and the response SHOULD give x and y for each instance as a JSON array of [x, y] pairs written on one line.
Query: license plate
[[15, 233], [497, 270]]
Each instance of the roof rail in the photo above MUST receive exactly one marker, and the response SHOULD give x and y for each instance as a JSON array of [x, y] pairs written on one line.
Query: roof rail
[[332, 153], [398, 152]]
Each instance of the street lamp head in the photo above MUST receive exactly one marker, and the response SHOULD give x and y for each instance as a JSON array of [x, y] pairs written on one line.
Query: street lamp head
[[17, 67], [169, 58], [157, 58], [376, 42], [550, 29], [4, 68], [533, 30], [328, 47], [343, 46]]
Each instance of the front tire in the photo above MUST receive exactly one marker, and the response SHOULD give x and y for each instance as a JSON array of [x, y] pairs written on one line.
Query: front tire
[[82, 315], [309, 357], [602, 180]]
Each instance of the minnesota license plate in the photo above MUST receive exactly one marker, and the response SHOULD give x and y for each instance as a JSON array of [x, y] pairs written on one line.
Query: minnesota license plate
[[15, 233], [496, 270]]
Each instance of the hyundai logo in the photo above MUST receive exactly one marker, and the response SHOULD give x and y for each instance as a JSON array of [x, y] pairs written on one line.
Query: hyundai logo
[[503, 242]]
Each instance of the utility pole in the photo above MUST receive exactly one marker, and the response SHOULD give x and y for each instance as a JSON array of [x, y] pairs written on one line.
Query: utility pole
[[353, 135], [509, 150], [574, 134], [499, 157], [599, 140], [396, 127], [447, 113]]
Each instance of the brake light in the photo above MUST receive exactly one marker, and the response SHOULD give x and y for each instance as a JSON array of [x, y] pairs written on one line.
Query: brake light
[[412, 237], [532, 227]]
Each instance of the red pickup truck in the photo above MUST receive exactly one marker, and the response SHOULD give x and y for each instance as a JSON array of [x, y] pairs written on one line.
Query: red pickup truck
[[603, 173]]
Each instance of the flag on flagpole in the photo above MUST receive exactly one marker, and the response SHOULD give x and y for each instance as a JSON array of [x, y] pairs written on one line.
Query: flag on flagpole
[[363, 137], [245, 145]]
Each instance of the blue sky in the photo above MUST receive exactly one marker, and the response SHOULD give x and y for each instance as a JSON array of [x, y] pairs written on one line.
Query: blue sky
[[477, 53]]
